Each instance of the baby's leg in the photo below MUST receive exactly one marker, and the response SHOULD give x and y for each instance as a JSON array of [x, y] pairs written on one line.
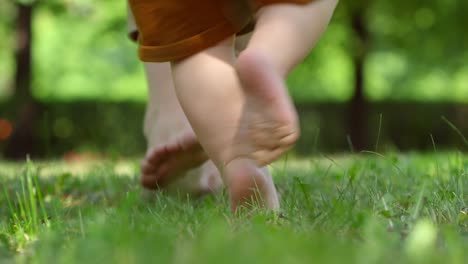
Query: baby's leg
[[174, 156], [212, 97], [283, 36], [285, 33], [165, 128], [240, 110]]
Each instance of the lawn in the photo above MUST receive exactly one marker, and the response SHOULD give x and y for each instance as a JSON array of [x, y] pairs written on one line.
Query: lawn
[[360, 208]]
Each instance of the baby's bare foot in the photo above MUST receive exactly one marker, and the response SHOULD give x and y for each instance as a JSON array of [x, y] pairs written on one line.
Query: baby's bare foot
[[249, 185], [165, 163], [269, 123]]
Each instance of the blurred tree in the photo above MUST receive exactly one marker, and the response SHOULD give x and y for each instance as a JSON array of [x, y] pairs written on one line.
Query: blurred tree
[[405, 50], [23, 139], [100, 44], [356, 16], [358, 104], [28, 110]]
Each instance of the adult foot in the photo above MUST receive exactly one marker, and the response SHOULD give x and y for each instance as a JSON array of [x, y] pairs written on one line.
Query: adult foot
[[269, 125], [167, 162]]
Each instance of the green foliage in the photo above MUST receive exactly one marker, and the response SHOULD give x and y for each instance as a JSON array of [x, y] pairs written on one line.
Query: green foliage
[[7, 13], [96, 58], [327, 73], [417, 51]]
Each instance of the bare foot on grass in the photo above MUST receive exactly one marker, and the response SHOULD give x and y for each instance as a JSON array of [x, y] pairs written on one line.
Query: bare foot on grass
[[268, 128], [167, 162], [250, 186]]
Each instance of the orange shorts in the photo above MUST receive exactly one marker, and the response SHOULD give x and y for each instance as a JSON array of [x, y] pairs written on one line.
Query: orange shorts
[[170, 30]]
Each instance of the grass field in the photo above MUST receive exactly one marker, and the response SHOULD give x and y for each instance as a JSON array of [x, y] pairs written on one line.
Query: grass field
[[366, 208]]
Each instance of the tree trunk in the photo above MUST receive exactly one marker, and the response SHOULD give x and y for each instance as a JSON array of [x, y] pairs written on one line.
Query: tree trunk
[[23, 139], [358, 112]]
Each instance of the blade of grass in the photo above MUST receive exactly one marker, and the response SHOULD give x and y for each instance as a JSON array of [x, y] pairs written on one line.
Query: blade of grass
[[32, 197], [419, 202], [350, 143], [41, 202], [23, 200], [7, 197], [378, 133], [435, 152], [22, 212], [456, 130], [82, 231]]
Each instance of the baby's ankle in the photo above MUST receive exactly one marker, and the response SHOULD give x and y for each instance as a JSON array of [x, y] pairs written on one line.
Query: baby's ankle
[[249, 185]]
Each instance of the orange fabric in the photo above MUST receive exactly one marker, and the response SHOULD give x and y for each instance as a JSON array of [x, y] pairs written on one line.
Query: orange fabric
[[170, 30]]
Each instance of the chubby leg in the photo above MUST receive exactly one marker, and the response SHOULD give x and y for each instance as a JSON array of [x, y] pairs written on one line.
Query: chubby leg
[[283, 36], [291, 29], [174, 152], [240, 109], [213, 99]]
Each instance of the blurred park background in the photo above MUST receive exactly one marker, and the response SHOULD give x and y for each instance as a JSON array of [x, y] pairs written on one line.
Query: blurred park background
[[387, 75]]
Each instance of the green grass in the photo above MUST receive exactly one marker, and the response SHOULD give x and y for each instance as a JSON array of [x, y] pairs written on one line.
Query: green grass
[[367, 208]]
